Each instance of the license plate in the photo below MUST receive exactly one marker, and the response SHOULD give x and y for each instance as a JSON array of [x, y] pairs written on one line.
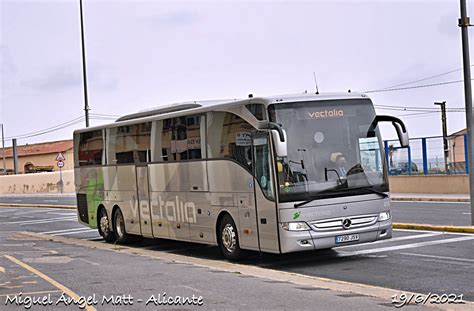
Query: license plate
[[347, 238]]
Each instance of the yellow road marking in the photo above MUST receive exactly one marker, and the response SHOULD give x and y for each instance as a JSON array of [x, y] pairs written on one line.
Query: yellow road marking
[[56, 284], [32, 293], [2, 269]]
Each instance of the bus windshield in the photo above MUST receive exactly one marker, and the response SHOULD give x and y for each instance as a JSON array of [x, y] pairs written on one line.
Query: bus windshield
[[332, 150]]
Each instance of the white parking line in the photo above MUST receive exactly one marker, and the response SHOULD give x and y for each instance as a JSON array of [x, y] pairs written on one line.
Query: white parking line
[[428, 231], [401, 238], [48, 221], [440, 257], [406, 246], [63, 214], [64, 230], [37, 220], [76, 232], [30, 212], [50, 201]]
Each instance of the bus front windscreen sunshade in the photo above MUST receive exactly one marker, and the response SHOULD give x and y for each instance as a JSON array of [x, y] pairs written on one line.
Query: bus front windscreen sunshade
[[333, 149]]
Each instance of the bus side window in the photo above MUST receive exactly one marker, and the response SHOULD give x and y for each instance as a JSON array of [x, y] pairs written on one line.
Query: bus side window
[[229, 137], [263, 172]]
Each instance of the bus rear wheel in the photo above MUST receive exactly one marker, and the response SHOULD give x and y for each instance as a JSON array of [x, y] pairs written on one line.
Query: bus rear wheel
[[104, 226], [119, 228], [229, 239]]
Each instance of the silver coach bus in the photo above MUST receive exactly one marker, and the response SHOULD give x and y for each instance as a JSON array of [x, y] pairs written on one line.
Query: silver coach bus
[[274, 174]]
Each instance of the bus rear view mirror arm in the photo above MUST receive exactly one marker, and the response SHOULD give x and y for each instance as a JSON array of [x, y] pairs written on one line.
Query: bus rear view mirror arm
[[400, 127], [265, 125], [278, 136]]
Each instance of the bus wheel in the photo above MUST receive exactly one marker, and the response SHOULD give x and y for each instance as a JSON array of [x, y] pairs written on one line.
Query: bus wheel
[[104, 226], [228, 239], [119, 227]]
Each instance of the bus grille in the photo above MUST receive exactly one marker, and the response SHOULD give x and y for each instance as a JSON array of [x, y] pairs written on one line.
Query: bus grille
[[336, 223], [82, 207]]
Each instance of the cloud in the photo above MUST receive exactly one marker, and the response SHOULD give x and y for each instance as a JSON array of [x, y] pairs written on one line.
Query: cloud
[[7, 64], [67, 76], [173, 19]]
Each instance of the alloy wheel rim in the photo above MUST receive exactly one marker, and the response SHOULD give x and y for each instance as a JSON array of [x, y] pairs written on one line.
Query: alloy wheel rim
[[229, 239], [119, 225], [104, 224]]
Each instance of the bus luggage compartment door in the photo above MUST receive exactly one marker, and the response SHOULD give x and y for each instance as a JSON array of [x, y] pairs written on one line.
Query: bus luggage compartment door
[[144, 201]]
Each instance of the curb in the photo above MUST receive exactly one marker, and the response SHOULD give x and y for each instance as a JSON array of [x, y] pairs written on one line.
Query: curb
[[37, 205], [458, 229], [431, 199]]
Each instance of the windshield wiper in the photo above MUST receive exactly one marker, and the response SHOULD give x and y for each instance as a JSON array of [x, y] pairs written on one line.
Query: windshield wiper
[[382, 194]]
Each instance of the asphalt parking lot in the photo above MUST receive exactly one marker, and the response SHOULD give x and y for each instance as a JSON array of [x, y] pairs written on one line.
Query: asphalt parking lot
[[412, 261]]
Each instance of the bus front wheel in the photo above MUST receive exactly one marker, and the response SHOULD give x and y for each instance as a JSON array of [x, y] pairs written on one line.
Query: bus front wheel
[[229, 239], [104, 226], [119, 227]]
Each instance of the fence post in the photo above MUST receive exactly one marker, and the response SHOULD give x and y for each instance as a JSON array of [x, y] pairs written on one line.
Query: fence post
[[409, 160], [385, 142], [425, 156], [466, 158]]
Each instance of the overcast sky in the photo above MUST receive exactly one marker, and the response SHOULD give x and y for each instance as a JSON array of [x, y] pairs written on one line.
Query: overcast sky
[[142, 54]]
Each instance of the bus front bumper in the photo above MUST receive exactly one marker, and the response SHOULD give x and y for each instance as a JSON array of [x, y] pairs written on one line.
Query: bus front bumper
[[294, 241]]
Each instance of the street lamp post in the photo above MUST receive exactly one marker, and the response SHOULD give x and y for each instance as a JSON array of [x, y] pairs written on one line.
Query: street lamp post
[[84, 73], [464, 24], [3, 151]]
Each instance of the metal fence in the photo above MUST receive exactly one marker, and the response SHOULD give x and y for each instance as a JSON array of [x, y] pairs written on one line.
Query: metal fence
[[426, 156]]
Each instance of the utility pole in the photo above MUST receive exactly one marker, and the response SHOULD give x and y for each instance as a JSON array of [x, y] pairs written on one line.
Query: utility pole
[[84, 73], [464, 23], [3, 151], [15, 157], [445, 135]]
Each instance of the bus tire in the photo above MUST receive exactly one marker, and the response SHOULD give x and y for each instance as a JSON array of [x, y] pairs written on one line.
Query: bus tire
[[104, 226], [228, 239], [119, 228]]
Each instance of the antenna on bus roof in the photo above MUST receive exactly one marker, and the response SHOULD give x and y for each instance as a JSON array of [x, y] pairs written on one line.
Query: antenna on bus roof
[[315, 82]]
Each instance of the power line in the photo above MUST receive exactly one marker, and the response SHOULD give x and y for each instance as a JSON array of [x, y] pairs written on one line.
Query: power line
[[419, 107], [48, 131], [415, 87], [58, 126], [420, 80]]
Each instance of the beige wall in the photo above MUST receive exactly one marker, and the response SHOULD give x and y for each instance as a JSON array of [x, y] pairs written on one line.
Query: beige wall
[[41, 160], [36, 183], [434, 184]]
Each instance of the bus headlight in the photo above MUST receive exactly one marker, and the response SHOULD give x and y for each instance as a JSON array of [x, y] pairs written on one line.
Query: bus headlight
[[295, 226], [384, 216]]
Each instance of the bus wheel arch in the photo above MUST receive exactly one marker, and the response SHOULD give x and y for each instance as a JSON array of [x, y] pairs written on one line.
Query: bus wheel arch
[[228, 237], [104, 224]]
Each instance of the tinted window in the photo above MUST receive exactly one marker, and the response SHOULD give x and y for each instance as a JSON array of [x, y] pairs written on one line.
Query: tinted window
[[180, 138], [130, 144], [91, 147], [258, 110], [229, 136]]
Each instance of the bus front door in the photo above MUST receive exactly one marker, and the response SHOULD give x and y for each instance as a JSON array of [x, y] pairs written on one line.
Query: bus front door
[[143, 194], [265, 194]]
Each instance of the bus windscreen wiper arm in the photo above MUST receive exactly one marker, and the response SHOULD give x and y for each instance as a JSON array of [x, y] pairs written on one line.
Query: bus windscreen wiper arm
[[382, 194], [303, 203]]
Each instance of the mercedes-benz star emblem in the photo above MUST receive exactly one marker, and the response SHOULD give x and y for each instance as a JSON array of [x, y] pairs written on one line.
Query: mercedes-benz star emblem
[[346, 223]]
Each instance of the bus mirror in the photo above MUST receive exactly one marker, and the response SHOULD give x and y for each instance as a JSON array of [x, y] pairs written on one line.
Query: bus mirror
[[400, 127], [402, 135], [281, 148]]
